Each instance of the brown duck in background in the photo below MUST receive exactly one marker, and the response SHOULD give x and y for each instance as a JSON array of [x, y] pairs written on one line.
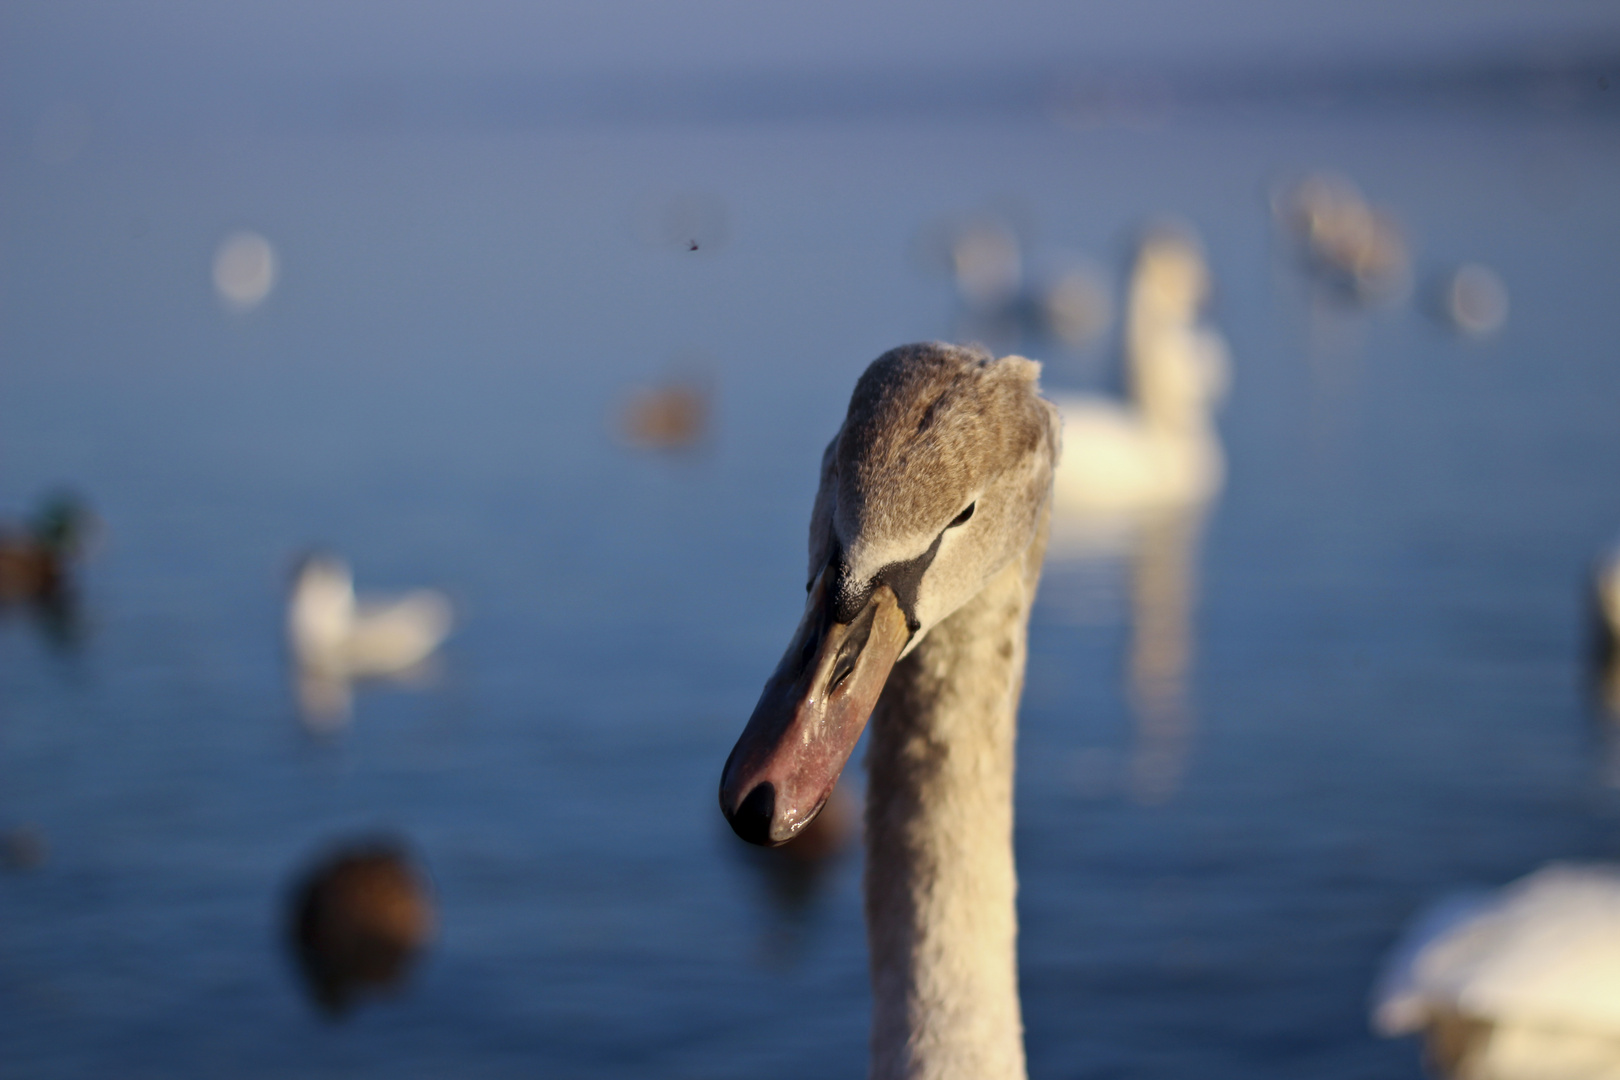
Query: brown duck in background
[[794, 876], [672, 416], [359, 918]]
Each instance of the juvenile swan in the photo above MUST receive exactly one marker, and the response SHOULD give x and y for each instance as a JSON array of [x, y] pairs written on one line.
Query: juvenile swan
[[925, 548]]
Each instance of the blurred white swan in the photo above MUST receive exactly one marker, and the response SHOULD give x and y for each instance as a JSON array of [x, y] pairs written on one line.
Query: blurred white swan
[[1159, 447], [1518, 984], [336, 638]]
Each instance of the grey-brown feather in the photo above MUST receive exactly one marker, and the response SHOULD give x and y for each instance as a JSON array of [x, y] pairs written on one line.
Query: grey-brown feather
[[930, 427]]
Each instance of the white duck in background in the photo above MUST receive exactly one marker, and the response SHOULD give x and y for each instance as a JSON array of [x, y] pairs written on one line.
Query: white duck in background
[[1518, 984], [1159, 447], [336, 638]]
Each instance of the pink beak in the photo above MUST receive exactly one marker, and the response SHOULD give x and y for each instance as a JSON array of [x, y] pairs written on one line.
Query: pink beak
[[810, 715]]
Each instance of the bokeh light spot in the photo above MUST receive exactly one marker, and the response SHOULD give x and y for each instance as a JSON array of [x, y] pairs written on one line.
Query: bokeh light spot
[[244, 271]]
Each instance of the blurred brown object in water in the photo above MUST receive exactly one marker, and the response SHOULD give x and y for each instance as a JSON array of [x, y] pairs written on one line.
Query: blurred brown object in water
[[792, 875], [827, 835], [670, 417], [36, 558], [359, 918], [794, 870]]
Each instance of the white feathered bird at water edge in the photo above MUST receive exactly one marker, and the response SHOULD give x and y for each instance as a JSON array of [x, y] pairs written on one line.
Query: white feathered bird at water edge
[[1518, 984]]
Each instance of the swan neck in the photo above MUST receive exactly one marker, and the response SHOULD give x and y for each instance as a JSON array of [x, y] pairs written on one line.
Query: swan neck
[[940, 882]]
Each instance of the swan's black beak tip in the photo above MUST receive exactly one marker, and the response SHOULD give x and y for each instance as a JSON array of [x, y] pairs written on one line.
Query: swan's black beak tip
[[752, 818]]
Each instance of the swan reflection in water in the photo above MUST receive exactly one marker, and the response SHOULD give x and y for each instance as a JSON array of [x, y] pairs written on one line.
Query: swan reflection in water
[[358, 918], [1135, 481], [337, 640], [794, 876], [1159, 552]]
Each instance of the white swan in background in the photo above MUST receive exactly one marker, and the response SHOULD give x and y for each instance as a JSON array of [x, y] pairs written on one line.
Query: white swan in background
[[1518, 984], [1159, 447], [336, 638], [926, 543], [1133, 483]]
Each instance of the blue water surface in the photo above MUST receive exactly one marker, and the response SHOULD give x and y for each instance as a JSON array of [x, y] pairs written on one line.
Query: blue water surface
[[1386, 701]]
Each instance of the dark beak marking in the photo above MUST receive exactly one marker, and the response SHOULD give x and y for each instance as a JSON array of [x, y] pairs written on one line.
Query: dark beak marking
[[904, 578], [850, 650], [752, 821]]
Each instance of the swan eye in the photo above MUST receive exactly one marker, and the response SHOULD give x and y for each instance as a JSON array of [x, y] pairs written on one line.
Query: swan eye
[[961, 519]]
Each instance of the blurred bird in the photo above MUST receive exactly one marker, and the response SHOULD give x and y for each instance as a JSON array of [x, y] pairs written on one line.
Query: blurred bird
[[336, 639], [670, 417], [332, 632], [358, 918], [36, 559], [1518, 984], [1160, 446], [1006, 296], [1356, 251]]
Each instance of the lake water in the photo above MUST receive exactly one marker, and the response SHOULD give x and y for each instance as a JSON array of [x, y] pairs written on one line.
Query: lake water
[[1385, 698]]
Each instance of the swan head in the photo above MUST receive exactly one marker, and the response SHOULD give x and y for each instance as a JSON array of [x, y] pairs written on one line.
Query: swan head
[[1170, 280], [1178, 370], [320, 608], [937, 480]]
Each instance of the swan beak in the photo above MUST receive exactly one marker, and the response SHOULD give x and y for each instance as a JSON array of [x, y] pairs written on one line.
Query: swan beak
[[810, 716]]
